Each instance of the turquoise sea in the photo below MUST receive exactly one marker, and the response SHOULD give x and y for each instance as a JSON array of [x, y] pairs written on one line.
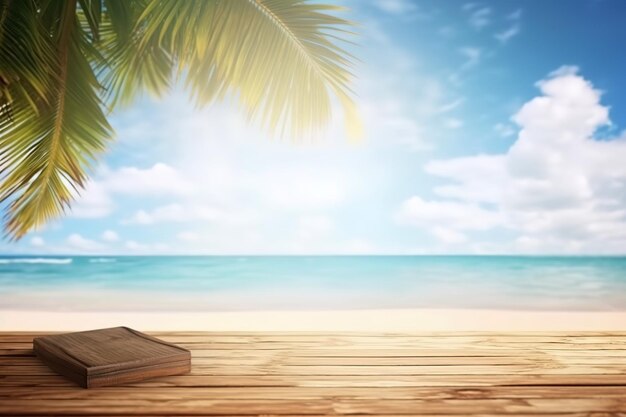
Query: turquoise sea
[[211, 283]]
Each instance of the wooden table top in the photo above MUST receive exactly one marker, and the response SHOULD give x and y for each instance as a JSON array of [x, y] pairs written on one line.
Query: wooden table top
[[316, 374]]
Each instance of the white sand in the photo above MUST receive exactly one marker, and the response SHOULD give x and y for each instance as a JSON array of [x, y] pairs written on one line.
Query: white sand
[[409, 320]]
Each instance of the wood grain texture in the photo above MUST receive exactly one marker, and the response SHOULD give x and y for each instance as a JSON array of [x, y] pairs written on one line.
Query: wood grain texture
[[113, 356], [321, 374]]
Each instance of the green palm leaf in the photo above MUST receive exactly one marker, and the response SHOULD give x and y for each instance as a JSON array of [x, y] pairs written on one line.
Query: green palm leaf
[[283, 67], [45, 153], [65, 64], [131, 63], [28, 57]]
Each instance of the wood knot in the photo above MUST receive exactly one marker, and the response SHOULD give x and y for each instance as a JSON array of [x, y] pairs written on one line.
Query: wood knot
[[470, 393]]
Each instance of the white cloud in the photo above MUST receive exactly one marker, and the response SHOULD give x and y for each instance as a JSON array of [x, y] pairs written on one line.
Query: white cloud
[[452, 105], [472, 56], [110, 236], [158, 180], [94, 202], [37, 241], [168, 213], [504, 130], [450, 236], [455, 215], [506, 35], [473, 171], [78, 242], [479, 16], [180, 213], [513, 29], [556, 186]]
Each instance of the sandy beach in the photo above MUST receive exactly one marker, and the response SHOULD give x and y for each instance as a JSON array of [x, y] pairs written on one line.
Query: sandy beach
[[401, 320]]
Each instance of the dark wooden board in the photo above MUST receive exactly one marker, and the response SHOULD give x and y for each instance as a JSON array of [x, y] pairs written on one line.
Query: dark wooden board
[[111, 356]]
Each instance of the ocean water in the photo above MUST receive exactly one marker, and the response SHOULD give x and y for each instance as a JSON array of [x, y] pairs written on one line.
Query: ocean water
[[227, 283]]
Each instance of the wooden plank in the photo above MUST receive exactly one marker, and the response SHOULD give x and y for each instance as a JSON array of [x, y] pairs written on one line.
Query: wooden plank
[[374, 335], [301, 340], [16, 352], [246, 362], [367, 338], [325, 406], [448, 340], [322, 345], [288, 360], [610, 356], [242, 414], [367, 370], [560, 414], [437, 334], [341, 381], [359, 351], [318, 374], [310, 393]]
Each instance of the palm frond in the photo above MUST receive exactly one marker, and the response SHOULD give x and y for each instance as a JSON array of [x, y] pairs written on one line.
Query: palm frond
[[27, 57], [44, 156], [63, 63], [280, 58], [131, 66], [91, 13]]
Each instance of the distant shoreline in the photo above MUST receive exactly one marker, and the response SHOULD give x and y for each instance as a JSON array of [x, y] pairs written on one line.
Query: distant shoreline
[[199, 285], [402, 320]]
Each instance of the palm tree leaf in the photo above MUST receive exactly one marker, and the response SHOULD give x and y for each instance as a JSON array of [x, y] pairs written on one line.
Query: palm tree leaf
[[129, 68], [44, 156], [27, 57], [63, 62], [278, 57], [91, 12]]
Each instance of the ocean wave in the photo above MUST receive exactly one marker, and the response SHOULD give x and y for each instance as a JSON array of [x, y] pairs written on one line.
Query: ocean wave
[[102, 260], [56, 261]]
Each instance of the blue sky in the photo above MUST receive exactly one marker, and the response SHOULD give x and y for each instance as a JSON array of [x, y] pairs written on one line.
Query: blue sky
[[491, 127]]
